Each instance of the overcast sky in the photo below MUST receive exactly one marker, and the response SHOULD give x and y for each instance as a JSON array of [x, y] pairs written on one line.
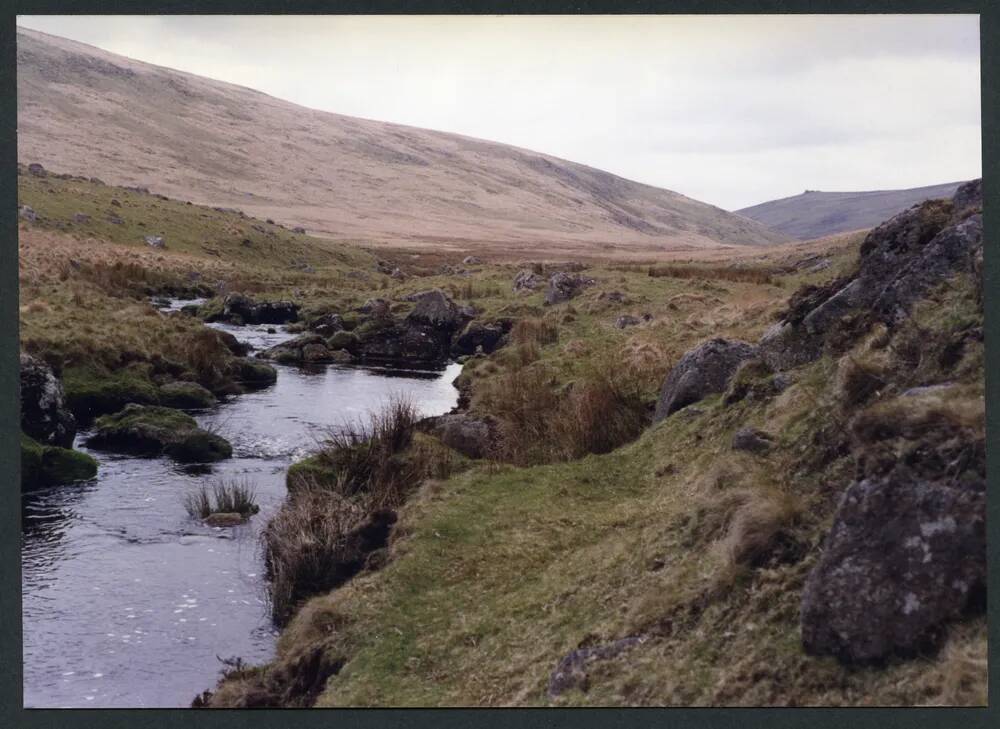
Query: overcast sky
[[732, 110]]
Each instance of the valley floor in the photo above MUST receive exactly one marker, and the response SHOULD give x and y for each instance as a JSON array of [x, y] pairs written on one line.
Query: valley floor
[[588, 556]]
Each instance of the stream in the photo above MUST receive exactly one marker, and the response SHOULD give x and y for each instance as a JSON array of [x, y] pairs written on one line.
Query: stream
[[127, 601]]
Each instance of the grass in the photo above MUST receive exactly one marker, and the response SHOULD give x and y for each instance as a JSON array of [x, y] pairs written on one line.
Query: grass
[[586, 526], [224, 497]]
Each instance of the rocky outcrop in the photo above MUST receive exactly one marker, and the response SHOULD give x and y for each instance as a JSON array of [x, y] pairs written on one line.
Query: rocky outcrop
[[478, 336], [306, 349], [527, 281], [564, 286], [907, 550], [153, 431], [240, 309], [435, 309], [702, 371], [899, 262], [45, 416], [471, 436]]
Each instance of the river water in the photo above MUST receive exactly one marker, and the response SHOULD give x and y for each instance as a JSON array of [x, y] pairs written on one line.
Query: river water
[[129, 602]]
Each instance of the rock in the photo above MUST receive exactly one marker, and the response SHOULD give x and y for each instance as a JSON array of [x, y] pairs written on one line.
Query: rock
[[45, 415], [907, 549], [327, 325], [115, 220], [81, 218], [471, 261], [344, 340], [26, 212], [316, 352], [436, 309], [230, 342], [37, 170], [480, 336], [253, 374], [185, 395], [115, 203], [899, 261], [526, 281], [702, 371], [384, 341], [626, 321], [46, 465], [471, 436], [564, 286], [616, 296], [242, 309], [156, 241], [571, 673], [300, 230], [752, 440], [304, 348], [341, 356], [375, 307], [903, 556], [224, 519], [152, 431], [397, 273]]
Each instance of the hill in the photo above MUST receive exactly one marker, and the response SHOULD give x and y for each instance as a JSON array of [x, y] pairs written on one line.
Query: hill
[[815, 214], [88, 112]]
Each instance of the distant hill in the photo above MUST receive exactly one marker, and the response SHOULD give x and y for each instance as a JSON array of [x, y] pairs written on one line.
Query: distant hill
[[814, 214], [88, 112]]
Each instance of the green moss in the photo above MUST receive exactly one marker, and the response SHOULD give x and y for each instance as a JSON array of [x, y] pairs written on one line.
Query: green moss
[[344, 340], [152, 430], [43, 465], [185, 395], [91, 392], [253, 373]]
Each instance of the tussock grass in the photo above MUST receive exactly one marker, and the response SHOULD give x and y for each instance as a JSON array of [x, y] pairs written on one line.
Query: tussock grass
[[720, 273], [228, 497]]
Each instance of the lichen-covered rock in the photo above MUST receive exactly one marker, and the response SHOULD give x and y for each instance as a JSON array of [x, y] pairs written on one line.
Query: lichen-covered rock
[[45, 415], [434, 308], [702, 371], [907, 549], [471, 436], [564, 286], [152, 431], [527, 281], [899, 261]]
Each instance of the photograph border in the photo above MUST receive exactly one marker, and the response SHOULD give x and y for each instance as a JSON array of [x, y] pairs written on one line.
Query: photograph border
[[11, 711]]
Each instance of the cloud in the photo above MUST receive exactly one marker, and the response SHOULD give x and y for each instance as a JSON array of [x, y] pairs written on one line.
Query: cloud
[[732, 110]]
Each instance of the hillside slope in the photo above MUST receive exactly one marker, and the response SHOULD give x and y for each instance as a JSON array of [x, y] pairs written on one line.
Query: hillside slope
[[815, 214], [89, 112]]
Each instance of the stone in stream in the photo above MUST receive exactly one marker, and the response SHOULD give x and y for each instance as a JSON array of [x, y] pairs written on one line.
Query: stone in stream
[[240, 309], [224, 519], [152, 430], [46, 465], [185, 395]]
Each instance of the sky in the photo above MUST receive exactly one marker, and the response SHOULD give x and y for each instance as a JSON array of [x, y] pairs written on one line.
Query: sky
[[731, 110]]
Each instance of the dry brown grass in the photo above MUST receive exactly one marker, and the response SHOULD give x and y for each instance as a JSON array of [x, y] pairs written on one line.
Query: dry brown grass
[[721, 273]]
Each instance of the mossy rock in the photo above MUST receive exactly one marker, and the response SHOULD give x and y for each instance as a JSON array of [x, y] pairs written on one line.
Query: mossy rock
[[344, 340], [43, 465], [153, 430], [185, 395], [90, 393], [254, 374]]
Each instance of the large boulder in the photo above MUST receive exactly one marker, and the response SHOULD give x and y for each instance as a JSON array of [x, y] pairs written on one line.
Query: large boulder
[[471, 436], [241, 309], [45, 415], [304, 349], [152, 431], [899, 262], [702, 371], [564, 286], [435, 309], [385, 341], [907, 549]]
